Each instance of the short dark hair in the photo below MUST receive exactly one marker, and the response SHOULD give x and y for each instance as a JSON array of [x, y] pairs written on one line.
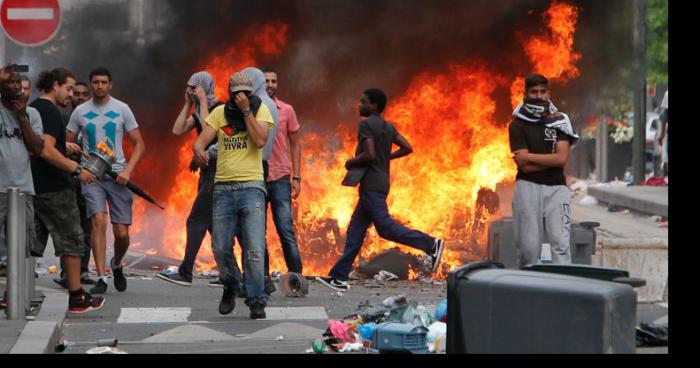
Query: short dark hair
[[81, 83], [535, 79], [269, 70], [48, 77], [101, 71], [25, 78], [376, 96]]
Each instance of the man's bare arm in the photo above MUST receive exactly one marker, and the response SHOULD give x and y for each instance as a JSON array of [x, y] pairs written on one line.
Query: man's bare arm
[[405, 148]]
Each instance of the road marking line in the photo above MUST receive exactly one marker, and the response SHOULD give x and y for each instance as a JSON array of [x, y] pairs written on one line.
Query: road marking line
[[29, 14], [153, 315]]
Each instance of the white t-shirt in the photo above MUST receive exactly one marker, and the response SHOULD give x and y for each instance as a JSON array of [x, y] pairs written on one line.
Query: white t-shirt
[[15, 169], [96, 122], [664, 102]]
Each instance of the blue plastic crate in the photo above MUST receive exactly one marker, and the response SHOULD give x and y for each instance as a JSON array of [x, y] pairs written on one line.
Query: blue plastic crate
[[400, 338]]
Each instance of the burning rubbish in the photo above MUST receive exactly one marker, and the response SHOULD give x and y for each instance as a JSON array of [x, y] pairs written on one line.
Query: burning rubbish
[[455, 181]]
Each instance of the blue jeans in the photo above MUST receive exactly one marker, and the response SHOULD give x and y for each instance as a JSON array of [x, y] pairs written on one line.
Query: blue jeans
[[279, 196], [372, 209], [239, 210]]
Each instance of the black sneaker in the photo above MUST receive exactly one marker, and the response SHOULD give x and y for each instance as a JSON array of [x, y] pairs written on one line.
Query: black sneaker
[[85, 303], [269, 286], [436, 254], [216, 283], [61, 282], [175, 278], [119, 278], [86, 280], [99, 288], [228, 301], [334, 284], [257, 311]]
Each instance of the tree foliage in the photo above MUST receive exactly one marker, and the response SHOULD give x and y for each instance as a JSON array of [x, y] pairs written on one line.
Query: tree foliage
[[657, 41]]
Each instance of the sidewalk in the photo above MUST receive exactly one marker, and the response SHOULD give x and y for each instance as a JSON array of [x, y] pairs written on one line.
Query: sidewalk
[[40, 331], [645, 199]]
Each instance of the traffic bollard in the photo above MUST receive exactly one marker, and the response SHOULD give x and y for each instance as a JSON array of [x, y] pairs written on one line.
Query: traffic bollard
[[16, 232]]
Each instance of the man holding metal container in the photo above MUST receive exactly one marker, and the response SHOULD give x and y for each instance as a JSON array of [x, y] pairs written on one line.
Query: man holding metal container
[[106, 119]]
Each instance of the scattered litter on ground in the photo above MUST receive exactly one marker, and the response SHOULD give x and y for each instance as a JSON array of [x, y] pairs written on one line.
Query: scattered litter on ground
[[393, 261], [588, 201], [354, 346], [384, 328], [441, 311], [171, 270], [614, 208], [655, 218], [652, 334], [626, 212], [663, 224], [275, 275], [105, 350], [53, 270], [385, 276], [373, 286], [280, 338], [339, 294]]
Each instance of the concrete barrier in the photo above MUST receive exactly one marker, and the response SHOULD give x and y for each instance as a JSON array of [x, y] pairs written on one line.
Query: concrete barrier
[[646, 258]]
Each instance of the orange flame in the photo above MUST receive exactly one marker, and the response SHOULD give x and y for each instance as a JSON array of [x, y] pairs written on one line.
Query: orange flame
[[552, 55], [460, 149]]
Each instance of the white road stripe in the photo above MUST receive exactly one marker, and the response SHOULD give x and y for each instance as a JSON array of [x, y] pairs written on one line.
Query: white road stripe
[[154, 315], [29, 14]]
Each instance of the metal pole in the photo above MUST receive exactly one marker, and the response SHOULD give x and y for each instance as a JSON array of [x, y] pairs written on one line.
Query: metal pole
[[601, 151], [640, 115], [15, 249]]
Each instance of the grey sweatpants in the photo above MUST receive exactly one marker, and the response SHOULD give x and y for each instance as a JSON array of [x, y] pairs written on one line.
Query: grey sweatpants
[[541, 214]]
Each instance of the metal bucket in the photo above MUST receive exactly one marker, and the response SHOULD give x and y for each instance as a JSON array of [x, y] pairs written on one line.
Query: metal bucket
[[294, 285], [99, 164]]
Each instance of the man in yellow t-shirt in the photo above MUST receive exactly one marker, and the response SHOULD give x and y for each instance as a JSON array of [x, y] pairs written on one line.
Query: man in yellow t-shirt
[[241, 128]]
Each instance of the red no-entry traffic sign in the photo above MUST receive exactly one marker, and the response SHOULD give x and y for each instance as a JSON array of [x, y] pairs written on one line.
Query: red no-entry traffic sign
[[30, 22]]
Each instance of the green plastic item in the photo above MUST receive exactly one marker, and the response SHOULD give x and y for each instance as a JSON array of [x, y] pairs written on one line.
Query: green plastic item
[[319, 346]]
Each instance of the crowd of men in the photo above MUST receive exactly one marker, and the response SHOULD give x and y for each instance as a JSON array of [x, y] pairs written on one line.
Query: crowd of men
[[248, 155]]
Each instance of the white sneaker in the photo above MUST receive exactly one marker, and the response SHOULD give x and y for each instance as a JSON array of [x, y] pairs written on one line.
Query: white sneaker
[[436, 254]]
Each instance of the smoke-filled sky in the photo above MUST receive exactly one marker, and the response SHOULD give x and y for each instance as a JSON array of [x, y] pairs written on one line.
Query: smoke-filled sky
[[334, 50]]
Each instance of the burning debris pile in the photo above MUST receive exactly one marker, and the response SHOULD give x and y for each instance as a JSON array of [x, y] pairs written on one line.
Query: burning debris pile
[[446, 188]]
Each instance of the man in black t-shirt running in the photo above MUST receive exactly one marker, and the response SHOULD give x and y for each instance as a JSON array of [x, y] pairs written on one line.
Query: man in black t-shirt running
[[373, 154], [540, 139]]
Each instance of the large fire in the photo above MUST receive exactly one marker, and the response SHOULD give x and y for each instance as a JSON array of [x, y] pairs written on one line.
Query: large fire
[[460, 149]]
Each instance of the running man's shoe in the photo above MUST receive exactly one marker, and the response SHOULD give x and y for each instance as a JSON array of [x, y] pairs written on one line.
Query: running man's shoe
[[119, 278], [175, 278], [99, 288], [85, 303], [436, 253], [334, 284]]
